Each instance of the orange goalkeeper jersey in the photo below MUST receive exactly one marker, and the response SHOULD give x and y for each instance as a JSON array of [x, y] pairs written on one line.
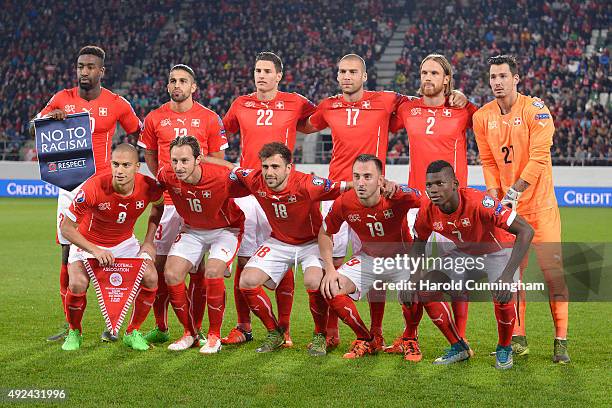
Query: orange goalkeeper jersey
[[517, 145]]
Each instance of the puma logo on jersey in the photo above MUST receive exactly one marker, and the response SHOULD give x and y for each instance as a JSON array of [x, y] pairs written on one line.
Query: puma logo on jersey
[[371, 216], [452, 223], [225, 251], [432, 111], [192, 193], [181, 120], [275, 197], [124, 205]]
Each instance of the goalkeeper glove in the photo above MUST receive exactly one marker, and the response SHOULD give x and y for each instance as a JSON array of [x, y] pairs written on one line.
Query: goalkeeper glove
[[511, 198]]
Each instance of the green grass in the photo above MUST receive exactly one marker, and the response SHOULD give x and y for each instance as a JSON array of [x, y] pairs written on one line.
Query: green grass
[[105, 375]]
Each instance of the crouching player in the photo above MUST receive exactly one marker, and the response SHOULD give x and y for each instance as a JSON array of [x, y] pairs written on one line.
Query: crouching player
[[290, 200], [479, 226], [100, 224], [201, 193], [381, 225]]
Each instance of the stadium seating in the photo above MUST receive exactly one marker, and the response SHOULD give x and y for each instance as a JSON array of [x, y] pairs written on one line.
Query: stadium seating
[[219, 40]]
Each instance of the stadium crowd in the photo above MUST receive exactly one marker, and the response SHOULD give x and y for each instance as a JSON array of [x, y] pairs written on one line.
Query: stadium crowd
[[220, 39]]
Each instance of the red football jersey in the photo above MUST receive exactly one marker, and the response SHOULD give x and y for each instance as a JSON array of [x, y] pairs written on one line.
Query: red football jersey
[[261, 122], [294, 213], [356, 128], [382, 229], [478, 226], [104, 113], [207, 204], [163, 125], [107, 218], [434, 133]]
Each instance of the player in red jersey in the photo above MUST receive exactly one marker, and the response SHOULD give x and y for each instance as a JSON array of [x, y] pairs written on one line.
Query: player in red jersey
[[100, 224], [265, 116], [435, 130], [202, 195], [181, 116], [359, 123], [382, 228], [290, 200], [483, 230], [106, 109]]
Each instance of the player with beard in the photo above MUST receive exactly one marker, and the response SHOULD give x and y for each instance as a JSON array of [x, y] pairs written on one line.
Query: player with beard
[[264, 116], [181, 116], [436, 131], [105, 109], [359, 123]]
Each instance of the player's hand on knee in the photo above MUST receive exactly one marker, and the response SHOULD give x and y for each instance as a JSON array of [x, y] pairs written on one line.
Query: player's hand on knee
[[147, 251], [330, 285], [104, 256]]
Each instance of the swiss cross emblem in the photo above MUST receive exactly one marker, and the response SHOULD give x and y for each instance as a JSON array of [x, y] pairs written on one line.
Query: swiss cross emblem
[[249, 104], [388, 213], [206, 194], [365, 105], [354, 218], [195, 122], [139, 204], [415, 111], [103, 111], [517, 121], [280, 105], [438, 226], [70, 108], [292, 199], [337, 105], [465, 222], [447, 112], [165, 122]]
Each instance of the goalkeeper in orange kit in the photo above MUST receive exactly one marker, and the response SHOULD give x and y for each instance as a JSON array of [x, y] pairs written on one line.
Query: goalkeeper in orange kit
[[514, 134]]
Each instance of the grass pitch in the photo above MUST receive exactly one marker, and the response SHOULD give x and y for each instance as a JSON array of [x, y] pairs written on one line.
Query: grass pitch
[[110, 374]]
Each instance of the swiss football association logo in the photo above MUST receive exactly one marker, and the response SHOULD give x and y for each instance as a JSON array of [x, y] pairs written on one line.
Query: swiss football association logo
[[354, 218], [116, 279], [104, 206], [139, 204], [518, 121], [165, 122], [415, 111], [280, 105], [103, 111], [249, 104], [336, 105], [195, 122]]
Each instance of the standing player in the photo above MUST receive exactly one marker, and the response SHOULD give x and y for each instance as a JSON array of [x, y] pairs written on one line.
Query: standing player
[[213, 223], [106, 109], [359, 122], [100, 224], [382, 227], [481, 228], [265, 116], [181, 116], [290, 200], [436, 131], [514, 134]]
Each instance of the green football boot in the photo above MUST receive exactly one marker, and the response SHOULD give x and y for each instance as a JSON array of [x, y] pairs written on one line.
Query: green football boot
[[135, 340], [274, 340], [318, 346], [560, 354], [73, 341], [156, 336]]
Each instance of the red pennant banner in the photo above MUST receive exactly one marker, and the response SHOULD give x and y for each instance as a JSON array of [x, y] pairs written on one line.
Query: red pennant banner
[[116, 287]]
